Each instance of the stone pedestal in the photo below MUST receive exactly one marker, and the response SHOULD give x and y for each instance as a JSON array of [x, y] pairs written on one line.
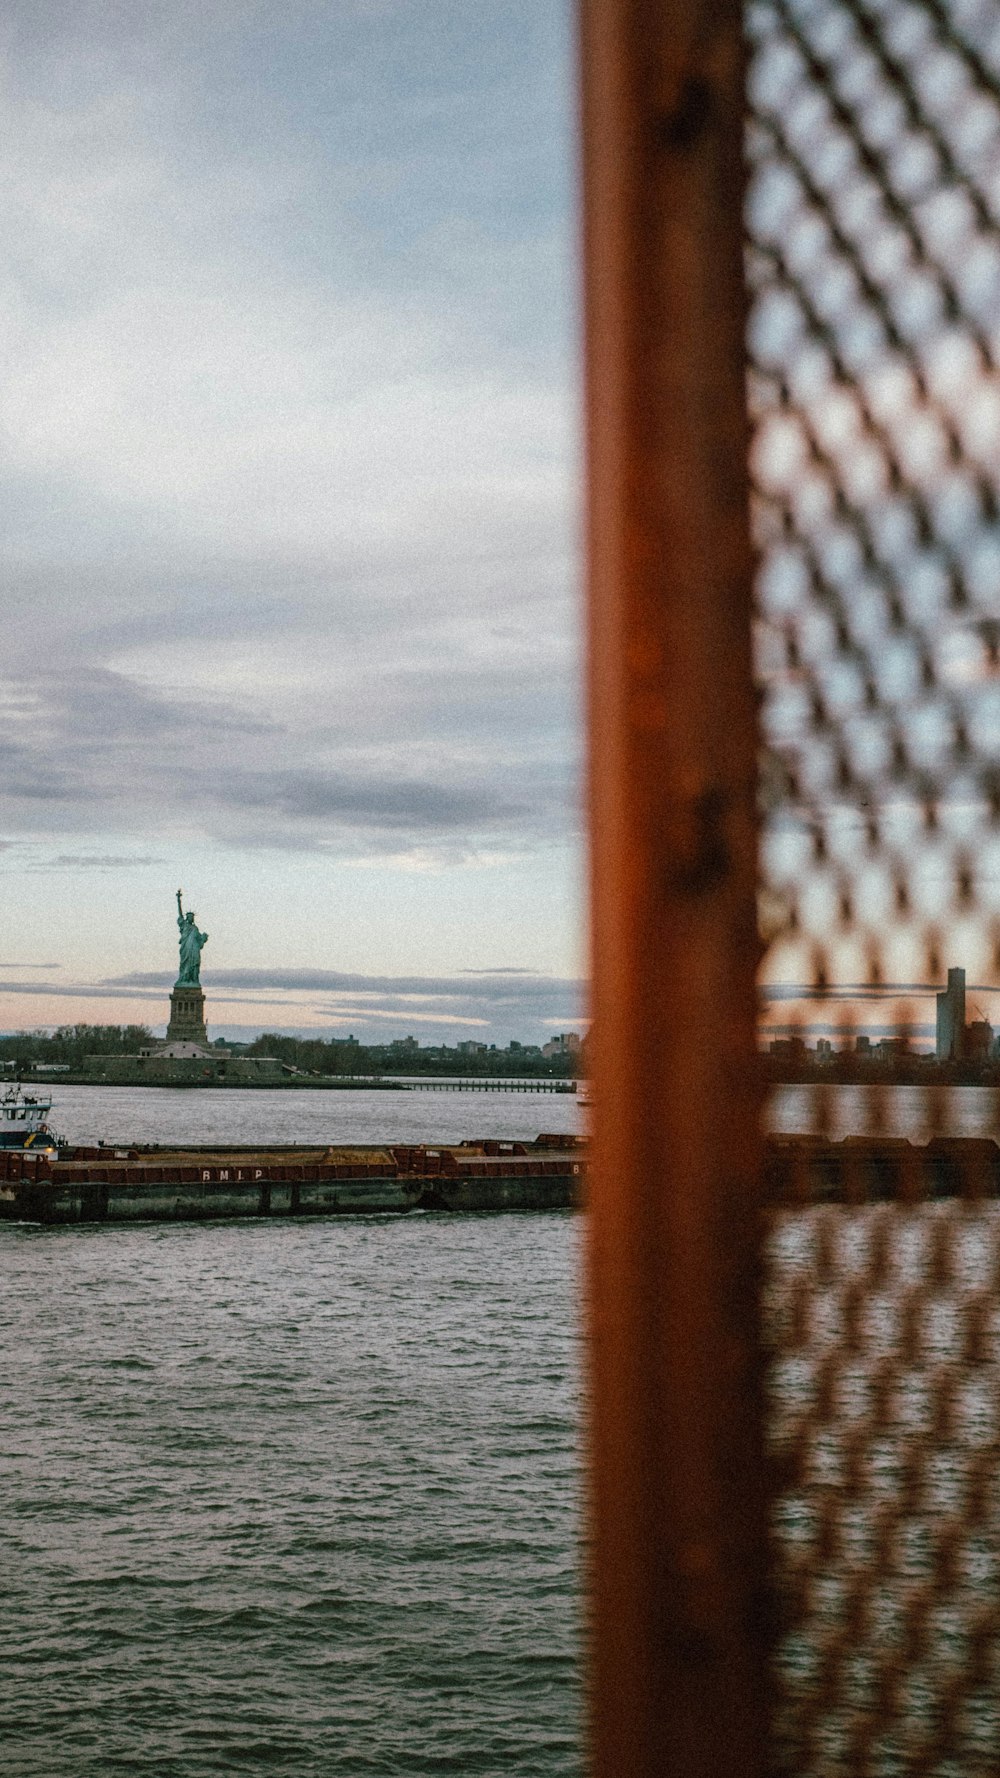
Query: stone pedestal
[[187, 1016]]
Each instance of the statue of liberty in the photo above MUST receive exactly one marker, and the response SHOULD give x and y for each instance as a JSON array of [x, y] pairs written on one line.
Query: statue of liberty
[[191, 943]]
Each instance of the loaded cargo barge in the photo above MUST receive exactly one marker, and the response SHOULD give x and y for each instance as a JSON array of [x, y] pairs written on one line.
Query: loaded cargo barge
[[160, 1184], [154, 1183]]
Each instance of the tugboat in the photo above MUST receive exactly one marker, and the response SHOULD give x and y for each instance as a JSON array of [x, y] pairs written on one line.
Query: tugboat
[[23, 1125]]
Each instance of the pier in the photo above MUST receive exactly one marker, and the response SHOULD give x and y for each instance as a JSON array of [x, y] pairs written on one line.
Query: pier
[[496, 1084]]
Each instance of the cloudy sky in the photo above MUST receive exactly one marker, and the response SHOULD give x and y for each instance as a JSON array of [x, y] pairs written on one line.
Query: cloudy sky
[[289, 498]]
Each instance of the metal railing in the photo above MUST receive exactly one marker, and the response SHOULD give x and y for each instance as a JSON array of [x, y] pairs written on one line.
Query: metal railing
[[793, 332]]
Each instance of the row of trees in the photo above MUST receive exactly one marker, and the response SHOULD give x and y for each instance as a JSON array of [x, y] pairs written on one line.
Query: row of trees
[[70, 1044], [341, 1056], [67, 1046]]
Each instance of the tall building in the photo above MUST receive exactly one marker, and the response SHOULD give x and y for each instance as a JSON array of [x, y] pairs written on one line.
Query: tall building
[[951, 1018]]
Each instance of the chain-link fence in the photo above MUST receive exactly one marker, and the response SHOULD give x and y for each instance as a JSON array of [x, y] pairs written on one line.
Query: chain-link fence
[[874, 267]]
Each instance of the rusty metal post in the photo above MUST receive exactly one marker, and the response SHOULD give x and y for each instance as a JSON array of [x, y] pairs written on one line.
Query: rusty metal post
[[678, 1658]]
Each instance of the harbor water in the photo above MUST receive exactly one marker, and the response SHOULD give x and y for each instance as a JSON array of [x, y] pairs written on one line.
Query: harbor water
[[291, 1498], [117, 1115], [915, 1113], [304, 1498], [311, 1116]]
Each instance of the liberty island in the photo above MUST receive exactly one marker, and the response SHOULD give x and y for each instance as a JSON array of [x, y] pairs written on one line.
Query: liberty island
[[187, 1057]]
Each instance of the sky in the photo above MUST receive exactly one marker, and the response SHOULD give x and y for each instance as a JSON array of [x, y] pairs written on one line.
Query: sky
[[873, 150], [289, 488]]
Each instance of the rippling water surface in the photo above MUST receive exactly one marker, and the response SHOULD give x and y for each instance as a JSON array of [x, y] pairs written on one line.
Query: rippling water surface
[[914, 1112], [309, 1115], [286, 1498], [302, 1498]]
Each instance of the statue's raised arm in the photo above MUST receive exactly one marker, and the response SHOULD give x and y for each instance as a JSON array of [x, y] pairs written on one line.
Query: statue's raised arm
[[191, 942]]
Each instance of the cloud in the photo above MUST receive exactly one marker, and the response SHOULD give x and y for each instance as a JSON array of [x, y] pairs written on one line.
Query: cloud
[[360, 1016], [374, 801], [290, 448], [496, 989], [94, 749], [497, 1005], [861, 991], [77, 991], [527, 973], [186, 380], [73, 861]]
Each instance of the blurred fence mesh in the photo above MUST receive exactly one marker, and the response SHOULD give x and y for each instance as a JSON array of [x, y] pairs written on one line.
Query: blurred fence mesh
[[874, 267]]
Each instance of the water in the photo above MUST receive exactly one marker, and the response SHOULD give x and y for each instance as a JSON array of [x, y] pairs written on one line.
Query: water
[[278, 1115], [303, 1499], [913, 1112], [883, 1394], [291, 1498], [207, 1114]]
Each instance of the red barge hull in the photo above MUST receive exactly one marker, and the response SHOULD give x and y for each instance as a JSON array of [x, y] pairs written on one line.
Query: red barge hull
[[157, 1184]]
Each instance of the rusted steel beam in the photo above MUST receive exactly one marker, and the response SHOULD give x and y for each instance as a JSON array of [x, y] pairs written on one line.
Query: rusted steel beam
[[678, 1650]]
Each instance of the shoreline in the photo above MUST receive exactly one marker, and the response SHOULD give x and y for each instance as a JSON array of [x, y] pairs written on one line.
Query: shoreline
[[320, 1083]]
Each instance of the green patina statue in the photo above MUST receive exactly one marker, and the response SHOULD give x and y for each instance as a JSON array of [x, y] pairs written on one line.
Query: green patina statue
[[191, 943]]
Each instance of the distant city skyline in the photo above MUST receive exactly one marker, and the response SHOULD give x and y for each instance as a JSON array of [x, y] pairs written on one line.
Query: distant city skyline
[[858, 998]]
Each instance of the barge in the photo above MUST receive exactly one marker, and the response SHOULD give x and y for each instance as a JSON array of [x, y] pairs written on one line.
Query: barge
[[53, 1183], [151, 1183]]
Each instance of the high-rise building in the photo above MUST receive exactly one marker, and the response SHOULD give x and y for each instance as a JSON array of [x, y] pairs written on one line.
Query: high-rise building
[[951, 1018]]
